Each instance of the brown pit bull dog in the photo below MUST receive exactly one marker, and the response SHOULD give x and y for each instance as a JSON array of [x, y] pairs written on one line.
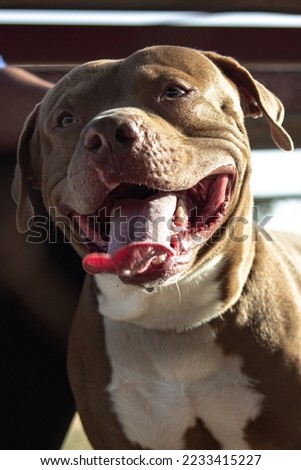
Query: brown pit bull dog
[[188, 333]]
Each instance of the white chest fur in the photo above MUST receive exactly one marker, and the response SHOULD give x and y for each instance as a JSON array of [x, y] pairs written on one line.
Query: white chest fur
[[162, 382]]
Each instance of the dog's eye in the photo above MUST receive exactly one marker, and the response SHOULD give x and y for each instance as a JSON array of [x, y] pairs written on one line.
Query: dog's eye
[[66, 120], [174, 91]]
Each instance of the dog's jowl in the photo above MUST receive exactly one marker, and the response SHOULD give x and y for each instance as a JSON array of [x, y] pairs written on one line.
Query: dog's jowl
[[188, 332]]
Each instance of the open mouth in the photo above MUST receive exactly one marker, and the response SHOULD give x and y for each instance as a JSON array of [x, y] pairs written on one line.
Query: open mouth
[[143, 234]]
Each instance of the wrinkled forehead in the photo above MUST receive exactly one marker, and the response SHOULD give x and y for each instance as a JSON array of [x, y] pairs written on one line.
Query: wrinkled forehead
[[170, 59], [126, 76]]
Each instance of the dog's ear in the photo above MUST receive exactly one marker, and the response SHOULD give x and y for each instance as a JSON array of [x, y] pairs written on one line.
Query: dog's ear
[[24, 184], [256, 99]]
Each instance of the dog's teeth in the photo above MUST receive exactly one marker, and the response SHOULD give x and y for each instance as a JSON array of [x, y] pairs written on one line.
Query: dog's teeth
[[159, 259], [180, 215], [126, 272]]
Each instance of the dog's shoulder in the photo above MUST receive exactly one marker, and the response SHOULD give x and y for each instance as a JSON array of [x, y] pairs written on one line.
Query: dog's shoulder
[[271, 298]]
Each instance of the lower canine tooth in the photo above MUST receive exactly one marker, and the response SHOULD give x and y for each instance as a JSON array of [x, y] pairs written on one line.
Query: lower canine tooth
[[159, 259], [180, 216]]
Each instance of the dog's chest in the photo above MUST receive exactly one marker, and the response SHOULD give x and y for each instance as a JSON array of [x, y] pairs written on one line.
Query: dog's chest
[[163, 382]]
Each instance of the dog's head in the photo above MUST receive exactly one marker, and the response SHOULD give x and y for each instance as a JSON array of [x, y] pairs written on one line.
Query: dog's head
[[145, 158]]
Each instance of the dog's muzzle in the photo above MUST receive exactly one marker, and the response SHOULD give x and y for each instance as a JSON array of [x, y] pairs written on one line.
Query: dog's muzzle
[[140, 232]]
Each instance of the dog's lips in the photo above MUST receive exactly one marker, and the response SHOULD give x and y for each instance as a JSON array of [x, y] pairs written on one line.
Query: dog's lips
[[143, 234]]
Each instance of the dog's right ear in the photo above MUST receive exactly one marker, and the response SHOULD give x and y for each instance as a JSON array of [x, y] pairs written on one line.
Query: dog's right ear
[[25, 184]]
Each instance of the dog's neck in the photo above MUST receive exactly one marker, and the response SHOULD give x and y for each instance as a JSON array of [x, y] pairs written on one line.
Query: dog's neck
[[190, 302], [177, 306]]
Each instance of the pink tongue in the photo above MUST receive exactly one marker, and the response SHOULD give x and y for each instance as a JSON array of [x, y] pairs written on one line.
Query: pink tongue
[[139, 236]]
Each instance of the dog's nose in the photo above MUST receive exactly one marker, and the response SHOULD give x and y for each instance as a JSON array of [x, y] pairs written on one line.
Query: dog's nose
[[110, 132]]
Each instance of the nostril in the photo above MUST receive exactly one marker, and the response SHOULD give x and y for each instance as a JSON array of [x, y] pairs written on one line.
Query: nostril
[[125, 134], [92, 141], [121, 136]]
